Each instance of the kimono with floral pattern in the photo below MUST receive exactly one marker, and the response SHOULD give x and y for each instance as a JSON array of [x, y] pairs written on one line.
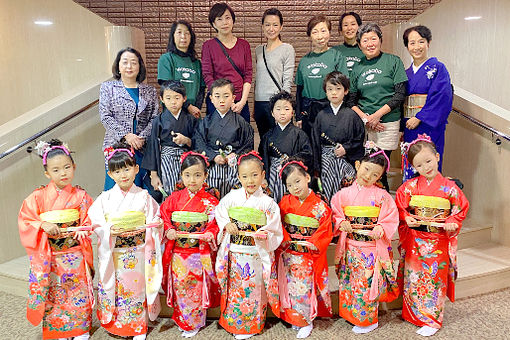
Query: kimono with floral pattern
[[247, 274], [303, 276], [428, 261], [188, 272], [60, 284], [365, 268], [129, 276]]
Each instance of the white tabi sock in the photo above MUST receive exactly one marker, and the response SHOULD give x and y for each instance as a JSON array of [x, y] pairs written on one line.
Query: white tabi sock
[[190, 334], [304, 332], [427, 331], [363, 330], [296, 328], [84, 336], [243, 336], [140, 337]]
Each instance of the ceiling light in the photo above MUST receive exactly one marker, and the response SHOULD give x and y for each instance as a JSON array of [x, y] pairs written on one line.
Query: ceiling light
[[472, 18], [43, 22]]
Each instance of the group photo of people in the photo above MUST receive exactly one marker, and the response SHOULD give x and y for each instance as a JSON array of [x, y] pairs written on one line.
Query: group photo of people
[[194, 210]]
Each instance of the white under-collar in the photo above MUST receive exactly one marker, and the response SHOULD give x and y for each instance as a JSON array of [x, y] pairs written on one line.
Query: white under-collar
[[222, 115], [283, 126], [336, 109], [416, 68], [177, 115]]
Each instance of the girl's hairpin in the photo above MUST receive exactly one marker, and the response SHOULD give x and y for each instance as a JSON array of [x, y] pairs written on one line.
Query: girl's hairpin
[[301, 164], [251, 153], [44, 147], [192, 153], [114, 151], [405, 146], [381, 152]]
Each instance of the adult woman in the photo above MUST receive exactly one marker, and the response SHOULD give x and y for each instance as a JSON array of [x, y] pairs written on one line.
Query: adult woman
[[378, 90], [127, 107], [275, 69], [312, 69], [227, 56], [181, 63], [348, 25], [429, 91]]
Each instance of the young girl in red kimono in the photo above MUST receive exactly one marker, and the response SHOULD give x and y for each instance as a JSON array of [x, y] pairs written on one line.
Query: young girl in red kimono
[[428, 263], [188, 264], [363, 257], [302, 260], [60, 284]]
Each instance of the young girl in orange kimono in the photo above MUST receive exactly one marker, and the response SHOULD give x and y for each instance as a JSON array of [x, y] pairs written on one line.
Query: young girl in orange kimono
[[188, 263], [363, 256], [302, 267], [60, 284], [428, 257]]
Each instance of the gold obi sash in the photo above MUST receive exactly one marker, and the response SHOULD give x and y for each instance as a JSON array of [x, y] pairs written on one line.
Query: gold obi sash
[[247, 220], [300, 228], [128, 221], [365, 216], [63, 219], [429, 208], [413, 104], [189, 222]]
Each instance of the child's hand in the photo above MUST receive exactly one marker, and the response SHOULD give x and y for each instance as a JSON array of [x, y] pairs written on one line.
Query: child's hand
[[377, 232], [171, 234], [346, 226], [231, 228], [412, 222], [208, 236], [340, 151], [81, 235], [50, 228], [219, 159], [451, 226], [155, 180], [195, 111], [180, 139], [260, 235], [299, 124]]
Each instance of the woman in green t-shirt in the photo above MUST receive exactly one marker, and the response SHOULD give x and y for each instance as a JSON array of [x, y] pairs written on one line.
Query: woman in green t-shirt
[[180, 63]]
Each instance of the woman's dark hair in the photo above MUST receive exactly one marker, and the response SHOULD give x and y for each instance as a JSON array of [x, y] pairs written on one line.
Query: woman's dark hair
[[346, 14], [245, 158], [377, 159], [115, 67], [220, 83], [336, 78], [172, 48], [193, 160], [367, 28], [423, 31], [417, 147], [217, 10], [172, 85], [121, 159], [56, 152], [282, 95], [272, 11], [317, 20], [290, 168]]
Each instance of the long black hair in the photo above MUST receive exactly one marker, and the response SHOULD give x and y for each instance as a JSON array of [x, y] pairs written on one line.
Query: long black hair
[[172, 48]]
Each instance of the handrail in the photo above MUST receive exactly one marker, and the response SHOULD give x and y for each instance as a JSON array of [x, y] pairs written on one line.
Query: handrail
[[483, 125], [48, 129]]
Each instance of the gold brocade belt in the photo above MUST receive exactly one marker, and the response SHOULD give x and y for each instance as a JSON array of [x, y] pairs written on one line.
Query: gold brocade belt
[[413, 104]]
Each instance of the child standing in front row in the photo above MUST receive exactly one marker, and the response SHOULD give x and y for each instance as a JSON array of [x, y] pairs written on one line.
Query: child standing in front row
[[188, 263], [130, 269], [60, 283], [428, 259], [303, 268], [171, 135], [223, 135], [367, 218], [246, 266], [281, 142]]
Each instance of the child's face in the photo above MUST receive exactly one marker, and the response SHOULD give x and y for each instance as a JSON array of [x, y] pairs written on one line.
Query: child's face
[[124, 177], [193, 177], [173, 101], [426, 162], [60, 169], [368, 173], [250, 175], [222, 98], [335, 93], [282, 111], [297, 184]]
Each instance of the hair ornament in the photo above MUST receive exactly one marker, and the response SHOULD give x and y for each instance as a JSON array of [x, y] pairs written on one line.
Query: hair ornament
[[110, 151], [192, 153], [404, 148], [381, 152], [301, 164], [44, 147], [251, 153]]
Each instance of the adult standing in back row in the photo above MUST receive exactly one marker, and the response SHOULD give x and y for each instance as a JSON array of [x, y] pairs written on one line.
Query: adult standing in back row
[[348, 25], [227, 56]]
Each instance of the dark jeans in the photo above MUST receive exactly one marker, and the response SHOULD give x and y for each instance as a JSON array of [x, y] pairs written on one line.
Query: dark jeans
[[263, 118]]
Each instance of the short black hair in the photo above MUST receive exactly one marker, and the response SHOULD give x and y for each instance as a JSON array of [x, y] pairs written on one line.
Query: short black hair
[[56, 152], [314, 21], [367, 28], [290, 168], [336, 78], [220, 83], [173, 85], [272, 11], [346, 14], [115, 67], [282, 95], [217, 10], [423, 31], [193, 160], [172, 48], [121, 159]]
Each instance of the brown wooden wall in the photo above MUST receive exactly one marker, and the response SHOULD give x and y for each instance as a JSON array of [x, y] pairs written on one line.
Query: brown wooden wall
[[156, 17]]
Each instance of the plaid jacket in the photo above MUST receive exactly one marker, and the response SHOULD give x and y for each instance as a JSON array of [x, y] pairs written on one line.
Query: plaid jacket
[[117, 110]]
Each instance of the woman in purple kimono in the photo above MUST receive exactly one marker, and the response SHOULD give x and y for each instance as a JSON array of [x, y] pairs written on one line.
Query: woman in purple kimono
[[429, 94]]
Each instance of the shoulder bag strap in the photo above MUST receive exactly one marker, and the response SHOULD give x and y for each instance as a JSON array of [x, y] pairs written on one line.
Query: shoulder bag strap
[[267, 68], [228, 57]]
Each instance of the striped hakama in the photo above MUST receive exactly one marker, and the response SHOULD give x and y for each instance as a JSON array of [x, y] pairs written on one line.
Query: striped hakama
[[275, 182], [334, 169], [170, 167], [223, 177]]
